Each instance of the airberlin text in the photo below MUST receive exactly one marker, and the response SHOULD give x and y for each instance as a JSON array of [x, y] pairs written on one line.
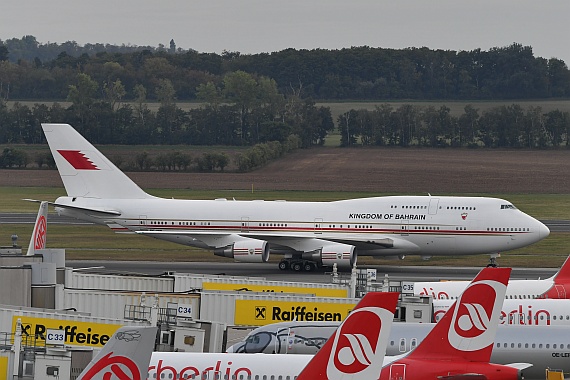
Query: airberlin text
[[377, 216], [300, 313], [160, 371]]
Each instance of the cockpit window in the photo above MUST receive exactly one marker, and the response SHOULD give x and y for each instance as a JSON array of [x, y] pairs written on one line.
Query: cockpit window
[[508, 207]]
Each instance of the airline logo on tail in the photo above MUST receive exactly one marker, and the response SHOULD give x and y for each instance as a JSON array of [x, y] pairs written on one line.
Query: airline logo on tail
[[79, 160], [471, 325], [114, 365], [359, 353], [40, 233], [110, 366]]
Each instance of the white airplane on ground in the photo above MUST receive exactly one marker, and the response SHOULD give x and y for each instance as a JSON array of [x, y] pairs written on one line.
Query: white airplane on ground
[[557, 286], [39, 235], [542, 346], [457, 348], [125, 356], [309, 234]]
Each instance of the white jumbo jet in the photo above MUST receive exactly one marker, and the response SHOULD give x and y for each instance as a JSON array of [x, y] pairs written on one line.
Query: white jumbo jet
[[557, 287], [308, 234]]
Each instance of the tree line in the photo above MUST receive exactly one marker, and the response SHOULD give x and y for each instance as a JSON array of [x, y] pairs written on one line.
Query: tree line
[[499, 127], [27, 71], [243, 110]]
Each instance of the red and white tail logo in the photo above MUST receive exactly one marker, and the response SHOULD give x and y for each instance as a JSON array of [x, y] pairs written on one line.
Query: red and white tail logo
[[357, 348], [468, 328], [472, 325], [124, 357], [40, 233], [360, 353], [111, 367]]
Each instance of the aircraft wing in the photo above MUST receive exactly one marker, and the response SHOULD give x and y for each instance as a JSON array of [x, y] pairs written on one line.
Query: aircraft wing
[[216, 239]]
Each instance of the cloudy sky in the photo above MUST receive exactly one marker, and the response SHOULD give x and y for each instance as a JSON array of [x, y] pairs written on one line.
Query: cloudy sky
[[252, 26]]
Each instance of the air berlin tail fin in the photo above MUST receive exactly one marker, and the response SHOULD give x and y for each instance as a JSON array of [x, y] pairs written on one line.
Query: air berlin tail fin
[[467, 330], [563, 275], [357, 348], [84, 170], [125, 356], [39, 234]]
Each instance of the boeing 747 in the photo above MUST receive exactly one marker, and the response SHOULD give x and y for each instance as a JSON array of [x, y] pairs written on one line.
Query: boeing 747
[[308, 234]]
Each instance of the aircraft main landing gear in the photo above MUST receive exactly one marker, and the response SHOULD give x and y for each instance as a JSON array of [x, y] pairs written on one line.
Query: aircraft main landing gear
[[297, 265]]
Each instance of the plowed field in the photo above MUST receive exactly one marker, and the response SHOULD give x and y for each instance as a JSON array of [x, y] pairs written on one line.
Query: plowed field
[[382, 170]]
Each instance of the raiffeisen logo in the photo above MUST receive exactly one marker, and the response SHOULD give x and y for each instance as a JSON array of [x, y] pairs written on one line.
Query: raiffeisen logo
[[474, 322], [359, 354], [114, 367]]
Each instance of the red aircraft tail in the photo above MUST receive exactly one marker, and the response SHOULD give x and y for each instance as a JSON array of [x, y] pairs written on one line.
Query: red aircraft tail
[[467, 330], [357, 348], [563, 275]]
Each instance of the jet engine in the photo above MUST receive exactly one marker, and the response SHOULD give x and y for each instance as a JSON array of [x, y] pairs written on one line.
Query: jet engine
[[249, 251], [343, 255]]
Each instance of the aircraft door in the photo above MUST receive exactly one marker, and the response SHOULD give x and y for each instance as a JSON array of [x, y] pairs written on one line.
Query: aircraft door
[[405, 228], [398, 372], [244, 224], [318, 225], [142, 219], [561, 291], [433, 206]]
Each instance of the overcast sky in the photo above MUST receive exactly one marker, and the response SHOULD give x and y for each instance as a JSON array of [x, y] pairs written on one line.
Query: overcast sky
[[253, 26]]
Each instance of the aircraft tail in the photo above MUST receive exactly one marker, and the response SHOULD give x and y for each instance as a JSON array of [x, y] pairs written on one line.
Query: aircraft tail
[[467, 330], [125, 356], [357, 348], [84, 170], [563, 275], [39, 235]]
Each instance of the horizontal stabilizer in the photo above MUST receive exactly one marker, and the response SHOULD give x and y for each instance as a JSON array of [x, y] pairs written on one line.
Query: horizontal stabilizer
[[519, 366], [83, 209], [88, 210]]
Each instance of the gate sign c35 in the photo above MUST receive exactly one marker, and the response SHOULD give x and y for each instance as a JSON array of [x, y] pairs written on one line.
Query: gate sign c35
[[264, 312]]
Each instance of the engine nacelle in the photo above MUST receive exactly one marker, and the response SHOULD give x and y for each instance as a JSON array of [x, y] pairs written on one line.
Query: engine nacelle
[[343, 255], [248, 251]]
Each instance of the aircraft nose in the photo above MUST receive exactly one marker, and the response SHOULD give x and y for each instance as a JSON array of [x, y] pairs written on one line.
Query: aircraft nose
[[543, 231]]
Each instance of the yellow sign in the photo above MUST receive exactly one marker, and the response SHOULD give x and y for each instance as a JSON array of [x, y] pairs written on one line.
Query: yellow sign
[[76, 333], [319, 292], [3, 367], [264, 312]]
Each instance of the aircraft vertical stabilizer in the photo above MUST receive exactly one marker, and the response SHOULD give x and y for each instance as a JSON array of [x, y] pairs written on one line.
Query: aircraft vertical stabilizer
[[39, 234], [356, 350], [84, 170], [125, 356]]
